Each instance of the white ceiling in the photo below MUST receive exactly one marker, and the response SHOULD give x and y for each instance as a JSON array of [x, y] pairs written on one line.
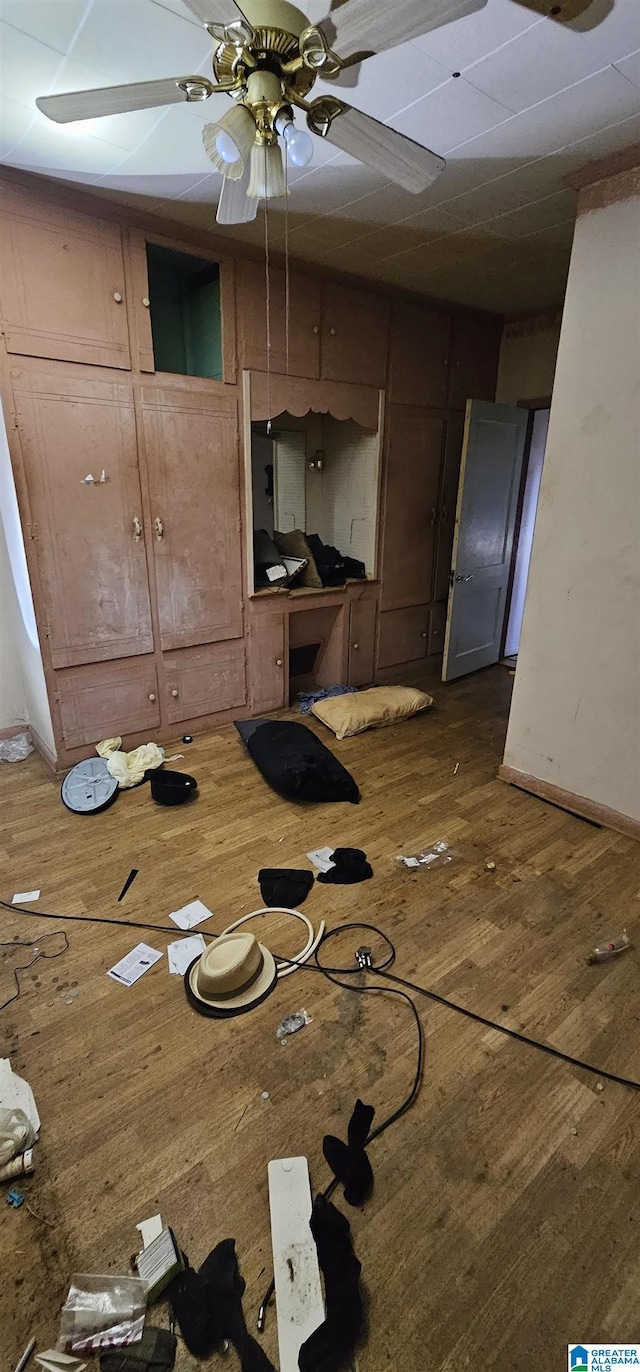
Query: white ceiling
[[533, 101]]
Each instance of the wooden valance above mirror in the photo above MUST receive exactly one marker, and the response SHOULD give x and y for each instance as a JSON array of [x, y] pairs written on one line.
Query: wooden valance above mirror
[[297, 395]]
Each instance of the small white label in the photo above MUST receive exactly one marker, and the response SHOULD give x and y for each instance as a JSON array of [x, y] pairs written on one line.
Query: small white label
[[25, 897], [130, 968], [274, 573]]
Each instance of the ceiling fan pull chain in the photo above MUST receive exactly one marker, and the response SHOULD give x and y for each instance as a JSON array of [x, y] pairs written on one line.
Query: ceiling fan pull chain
[[268, 305], [286, 254]]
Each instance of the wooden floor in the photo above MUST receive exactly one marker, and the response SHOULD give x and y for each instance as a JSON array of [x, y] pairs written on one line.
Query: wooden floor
[[505, 1216]]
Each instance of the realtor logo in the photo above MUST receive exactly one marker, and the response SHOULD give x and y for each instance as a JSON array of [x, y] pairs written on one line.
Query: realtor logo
[[593, 1357]]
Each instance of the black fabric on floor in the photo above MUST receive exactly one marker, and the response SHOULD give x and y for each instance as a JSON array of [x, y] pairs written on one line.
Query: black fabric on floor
[[285, 886], [208, 1307], [298, 765], [349, 1161], [327, 1349], [350, 866], [156, 1352]]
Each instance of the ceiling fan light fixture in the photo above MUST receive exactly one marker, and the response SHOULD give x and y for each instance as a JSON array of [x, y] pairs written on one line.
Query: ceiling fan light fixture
[[229, 142], [266, 179], [299, 145]]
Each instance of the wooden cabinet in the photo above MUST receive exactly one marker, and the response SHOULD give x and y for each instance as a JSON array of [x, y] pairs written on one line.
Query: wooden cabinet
[[473, 363], [448, 502], [362, 634], [88, 538], [62, 283], [190, 442], [267, 663], [204, 681], [354, 336], [304, 321], [437, 626], [403, 636], [413, 458], [420, 341], [106, 699]]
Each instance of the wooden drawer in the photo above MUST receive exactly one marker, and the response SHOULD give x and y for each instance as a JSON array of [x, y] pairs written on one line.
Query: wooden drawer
[[204, 681], [362, 630], [403, 636], [105, 699]]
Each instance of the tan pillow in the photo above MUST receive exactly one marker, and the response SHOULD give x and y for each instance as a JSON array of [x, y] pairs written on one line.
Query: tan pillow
[[295, 544], [352, 714]]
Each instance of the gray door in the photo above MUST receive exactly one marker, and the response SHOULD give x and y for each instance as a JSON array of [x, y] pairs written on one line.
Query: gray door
[[492, 453]]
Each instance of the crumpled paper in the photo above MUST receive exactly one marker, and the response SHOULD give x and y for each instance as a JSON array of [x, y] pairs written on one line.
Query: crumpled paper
[[129, 768]]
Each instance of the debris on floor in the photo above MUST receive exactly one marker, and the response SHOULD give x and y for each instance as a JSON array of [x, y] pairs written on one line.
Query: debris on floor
[[348, 867], [130, 879], [15, 749], [437, 856], [102, 1312], [156, 1352], [53, 1361], [489, 865], [284, 886], [292, 1023], [321, 858], [604, 951], [22, 1362], [16, 1094], [25, 897], [131, 967], [150, 1229], [129, 769], [172, 788], [159, 1262], [183, 952], [189, 915]]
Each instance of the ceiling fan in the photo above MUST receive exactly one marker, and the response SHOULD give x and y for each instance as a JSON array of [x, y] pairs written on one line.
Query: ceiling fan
[[267, 57]]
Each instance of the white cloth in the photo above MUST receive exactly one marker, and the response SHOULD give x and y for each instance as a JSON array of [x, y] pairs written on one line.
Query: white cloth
[[129, 768]]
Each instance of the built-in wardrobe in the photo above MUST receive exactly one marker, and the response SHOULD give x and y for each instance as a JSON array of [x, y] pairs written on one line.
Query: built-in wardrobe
[[134, 360]]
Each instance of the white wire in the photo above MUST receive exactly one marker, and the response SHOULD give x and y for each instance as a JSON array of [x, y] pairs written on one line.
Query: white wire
[[313, 940]]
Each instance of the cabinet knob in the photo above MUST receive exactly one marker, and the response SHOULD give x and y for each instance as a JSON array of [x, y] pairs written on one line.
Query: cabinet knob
[[146, 301], [158, 528], [423, 634], [174, 693], [117, 297], [137, 529], [355, 645], [151, 695], [278, 662], [316, 329], [332, 332]]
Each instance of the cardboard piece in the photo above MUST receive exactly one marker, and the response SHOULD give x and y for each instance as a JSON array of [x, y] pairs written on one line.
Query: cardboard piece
[[16, 1094], [299, 1303]]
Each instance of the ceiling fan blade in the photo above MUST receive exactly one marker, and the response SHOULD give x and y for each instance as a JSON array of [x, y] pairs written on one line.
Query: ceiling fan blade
[[589, 13], [389, 152], [141, 95], [235, 206], [215, 11], [368, 26]]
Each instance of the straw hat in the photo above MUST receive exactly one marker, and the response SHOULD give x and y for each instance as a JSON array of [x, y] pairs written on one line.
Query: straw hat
[[232, 975]]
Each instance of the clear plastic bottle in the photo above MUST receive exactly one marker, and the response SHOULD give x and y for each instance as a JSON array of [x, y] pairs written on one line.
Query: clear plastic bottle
[[610, 949]]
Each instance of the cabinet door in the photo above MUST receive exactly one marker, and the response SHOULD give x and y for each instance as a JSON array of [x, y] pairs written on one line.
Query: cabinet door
[[62, 289], [414, 453], [403, 636], [101, 701], [355, 335], [191, 446], [419, 355], [437, 627], [448, 501], [304, 321], [362, 634], [267, 663], [87, 537], [204, 681], [473, 367]]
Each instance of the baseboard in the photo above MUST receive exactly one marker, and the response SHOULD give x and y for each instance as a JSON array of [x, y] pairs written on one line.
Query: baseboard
[[44, 751], [575, 804]]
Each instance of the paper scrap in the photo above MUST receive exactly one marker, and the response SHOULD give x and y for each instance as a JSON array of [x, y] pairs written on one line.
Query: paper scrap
[[25, 897], [321, 858], [150, 1229], [183, 951], [53, 1361], [190, 915], [16, 1094], [130, 968]]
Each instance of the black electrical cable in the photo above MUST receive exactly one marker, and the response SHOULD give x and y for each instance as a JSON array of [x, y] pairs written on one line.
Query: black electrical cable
[[94, 919], [15, 943]]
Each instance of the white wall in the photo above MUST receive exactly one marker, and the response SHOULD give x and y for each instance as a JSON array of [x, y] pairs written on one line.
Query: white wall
[[20, 657], [575, 720]]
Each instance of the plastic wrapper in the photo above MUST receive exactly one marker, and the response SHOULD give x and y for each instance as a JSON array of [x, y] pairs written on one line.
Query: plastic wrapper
[[16, 1134], [611, 948], [436, 856], [292, 1024], [102, 1312], [15, 749]]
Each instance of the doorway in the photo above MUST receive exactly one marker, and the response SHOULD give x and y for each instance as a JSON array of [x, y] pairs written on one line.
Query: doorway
[[501, 468]]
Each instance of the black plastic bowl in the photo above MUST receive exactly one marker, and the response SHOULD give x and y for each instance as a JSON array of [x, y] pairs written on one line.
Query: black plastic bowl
[[171, 788]]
